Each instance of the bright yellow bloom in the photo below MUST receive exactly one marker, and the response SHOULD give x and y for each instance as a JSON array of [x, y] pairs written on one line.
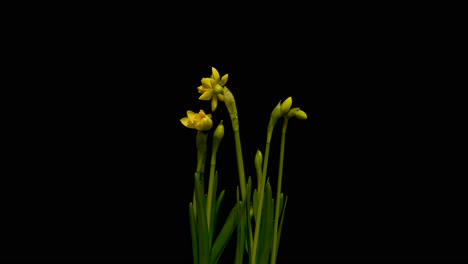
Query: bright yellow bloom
[[212, 88], [200, 121]]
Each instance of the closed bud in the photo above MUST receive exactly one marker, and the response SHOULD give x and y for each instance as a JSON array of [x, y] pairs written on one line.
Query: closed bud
[[286, 105], [219, 132], [291, 112], [276, 113], [300, 115], [258, 159]]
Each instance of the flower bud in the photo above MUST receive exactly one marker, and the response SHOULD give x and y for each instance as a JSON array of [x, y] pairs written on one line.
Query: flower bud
[[276, 113], [219, 132], [286, 105], [258, 159], [291, 112], [300, 115]]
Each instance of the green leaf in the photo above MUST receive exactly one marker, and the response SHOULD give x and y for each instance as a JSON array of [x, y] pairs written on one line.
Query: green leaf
[[281, 203], [281, 224], [267, 226], [248, 219], [203, 236], [193, 232], [240, 233], [224, 235], [255, 204], [212, 206], [219, 201]]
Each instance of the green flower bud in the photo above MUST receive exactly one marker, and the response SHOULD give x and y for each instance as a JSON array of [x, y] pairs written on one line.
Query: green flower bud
[[276, 113], [286, 105], [291, 112], [258, 159], [219, 133], [300, 115]]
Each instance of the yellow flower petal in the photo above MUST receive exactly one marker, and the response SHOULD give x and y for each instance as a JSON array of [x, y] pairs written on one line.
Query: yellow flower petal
[[204, 124], [215, 74], [206, 95], [213, 82], [191, 115], [223, 80], [185, 121], [201, 89], [206, 83]]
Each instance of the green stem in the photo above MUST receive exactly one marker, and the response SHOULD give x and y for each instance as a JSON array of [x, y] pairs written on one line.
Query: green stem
[[240, 163], [230, 103], [267, 150], [274, 250], [209, 203]]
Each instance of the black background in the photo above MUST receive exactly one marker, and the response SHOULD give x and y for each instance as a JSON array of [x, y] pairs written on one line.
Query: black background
[[98, 165]]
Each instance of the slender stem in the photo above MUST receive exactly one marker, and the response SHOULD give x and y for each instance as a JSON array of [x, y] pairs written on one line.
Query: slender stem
[[240, 163], [230, 103], [267, 150], [274, 250], [209, 202]]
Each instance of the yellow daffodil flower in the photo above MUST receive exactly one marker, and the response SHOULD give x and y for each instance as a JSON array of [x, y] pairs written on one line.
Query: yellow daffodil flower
[[200, 121], [212, 88]]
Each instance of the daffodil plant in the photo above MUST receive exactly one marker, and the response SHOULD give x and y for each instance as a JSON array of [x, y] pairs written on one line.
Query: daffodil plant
[[257, 216]]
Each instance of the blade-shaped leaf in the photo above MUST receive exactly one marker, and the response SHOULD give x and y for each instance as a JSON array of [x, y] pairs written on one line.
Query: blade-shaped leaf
[[240, 234], [203, 236], [219, 201], [281, 224], [266, 230], [248, 219], [193, 232], [255, 204], [213, 208], [224, 235]]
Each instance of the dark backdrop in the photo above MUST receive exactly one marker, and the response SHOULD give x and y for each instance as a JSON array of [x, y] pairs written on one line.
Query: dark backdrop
[[100, 166]]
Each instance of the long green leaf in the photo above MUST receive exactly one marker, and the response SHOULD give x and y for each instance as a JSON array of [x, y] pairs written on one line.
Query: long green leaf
[[213, 208], [219, 201], [224, 235], [266, 229], [203, 236], [193, 232], [247, 212], [255, 204], [281, 225], [240, 234]]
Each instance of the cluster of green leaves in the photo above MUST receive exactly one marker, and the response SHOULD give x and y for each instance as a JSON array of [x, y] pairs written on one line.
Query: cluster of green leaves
[[206, 249]]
